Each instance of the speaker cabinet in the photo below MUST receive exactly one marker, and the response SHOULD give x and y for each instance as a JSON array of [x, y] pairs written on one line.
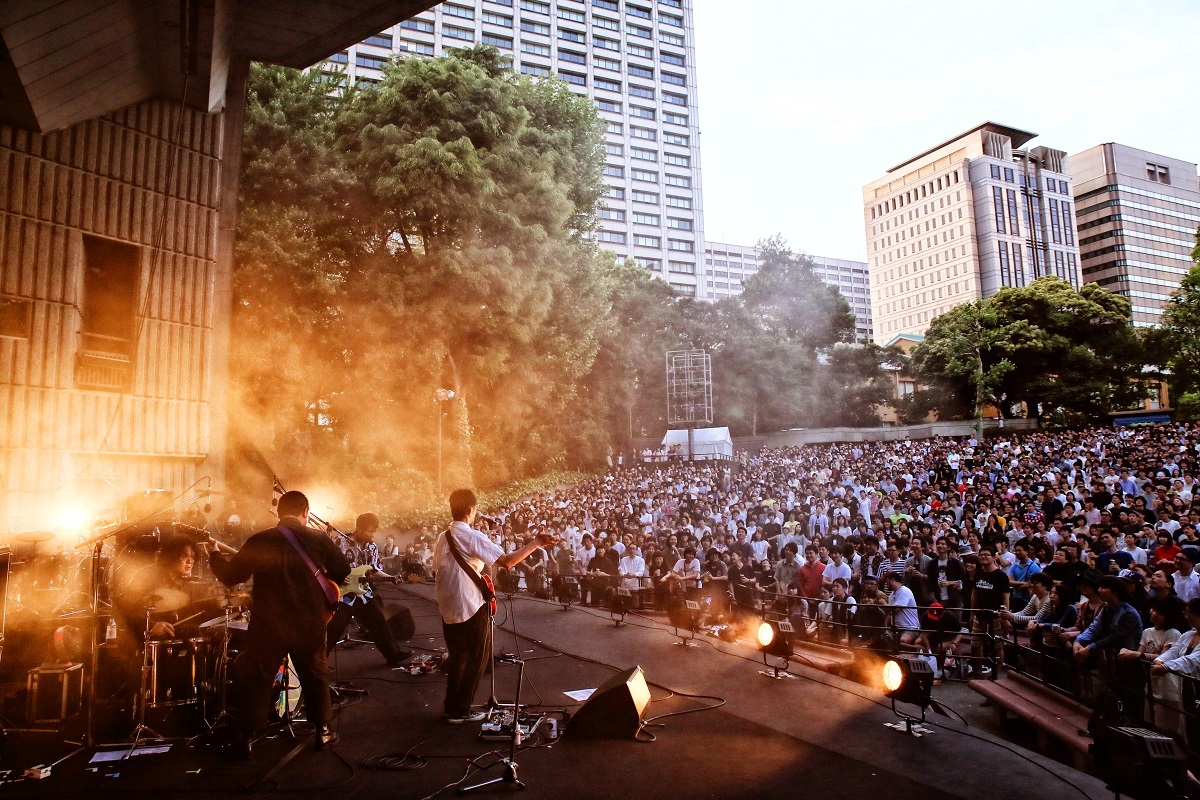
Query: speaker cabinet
[[614, 711], [400, 622]]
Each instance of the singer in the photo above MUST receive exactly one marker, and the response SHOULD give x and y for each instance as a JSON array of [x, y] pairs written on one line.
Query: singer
[[466, 600]]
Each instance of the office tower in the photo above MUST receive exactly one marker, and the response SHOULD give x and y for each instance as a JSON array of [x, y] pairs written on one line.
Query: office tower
[[728, 266], [636, 60], [963, 220], [1138, 213]]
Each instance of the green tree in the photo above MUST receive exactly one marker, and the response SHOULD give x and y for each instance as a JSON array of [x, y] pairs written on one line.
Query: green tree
[[1072, 354]]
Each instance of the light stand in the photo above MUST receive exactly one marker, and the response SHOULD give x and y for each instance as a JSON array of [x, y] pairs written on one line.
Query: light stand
[[143, 699], [621, 601], [693, 616]]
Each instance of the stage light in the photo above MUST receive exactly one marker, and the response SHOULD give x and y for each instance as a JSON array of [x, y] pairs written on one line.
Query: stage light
[[685, 615], [619, 605], [73, 519], [909, 680], [775, 639], [1140, 763], [567, 590]]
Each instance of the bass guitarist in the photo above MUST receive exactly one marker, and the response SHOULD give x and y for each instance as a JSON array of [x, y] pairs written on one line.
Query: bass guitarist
[[358, 597], [296, 572], [466, 601]]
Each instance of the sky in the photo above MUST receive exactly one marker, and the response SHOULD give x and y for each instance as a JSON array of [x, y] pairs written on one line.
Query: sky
[[802, 104]]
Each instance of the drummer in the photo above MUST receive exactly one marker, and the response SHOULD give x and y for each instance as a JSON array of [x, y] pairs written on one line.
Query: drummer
[[178, 604]]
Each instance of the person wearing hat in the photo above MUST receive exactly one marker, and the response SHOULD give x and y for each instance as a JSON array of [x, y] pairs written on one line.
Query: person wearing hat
[[1186, 580], [1118, 626], [941, 629]]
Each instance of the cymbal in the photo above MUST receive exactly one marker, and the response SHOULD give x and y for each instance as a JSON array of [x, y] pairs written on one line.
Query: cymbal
[[166, 599], [33, 537]]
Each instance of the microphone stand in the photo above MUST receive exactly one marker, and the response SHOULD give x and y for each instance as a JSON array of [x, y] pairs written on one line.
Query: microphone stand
[[509, 775]]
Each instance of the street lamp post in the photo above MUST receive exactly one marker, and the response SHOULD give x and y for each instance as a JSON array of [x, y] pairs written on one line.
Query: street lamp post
[[441, 396]]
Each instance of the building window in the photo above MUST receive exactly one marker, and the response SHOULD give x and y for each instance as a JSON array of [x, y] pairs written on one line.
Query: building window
[[640, 52], [684, 289], [460, 11], [611, 237], [681, 245], [645, 197], [679, 180], [614, 149], [1068, 224], [615, 127], [675, 119], [458, 33], [1014, 224], [679, 224], [535, 27], [637, 11], [422, 25], [647, 241], [671, 77], [649, 176], [497, 19], [672, 3], [615, 193], [607, 85], [503, 42], [606, 23], [535, 49], [995, 172], [339, 58], [614, 214], [998, 202], [613, 171], [641, 91], [670, 19], [640, 32], [641, 72], [573, 16], [670, 38], [1158, 173], [681, 267], [534, 70], [380, 40], [420, 48], [652, 264], [679, 202], [536, 7], [671, 58], [574, 58], [600, 62], [679, 161], [674, 99], [645, 219], [643, 133], [642, 154], [608, 105], [605, 44], [1055, 222], [644, 113], [609, 5], [16, 317], [1005, 266], [111, 278], [573, 78], [675, 138], [572, 36]]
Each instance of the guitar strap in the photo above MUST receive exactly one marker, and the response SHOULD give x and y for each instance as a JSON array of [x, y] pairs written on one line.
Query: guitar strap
[[327, 587], [489, 594]]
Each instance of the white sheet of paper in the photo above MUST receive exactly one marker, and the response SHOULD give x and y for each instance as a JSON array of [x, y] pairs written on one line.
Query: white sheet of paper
[[579, 695]]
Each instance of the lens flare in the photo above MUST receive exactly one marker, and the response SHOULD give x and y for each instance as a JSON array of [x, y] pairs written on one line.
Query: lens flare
[[72, 519]]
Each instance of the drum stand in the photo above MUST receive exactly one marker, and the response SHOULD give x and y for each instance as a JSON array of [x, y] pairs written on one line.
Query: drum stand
[[142, 730], [221, 676]]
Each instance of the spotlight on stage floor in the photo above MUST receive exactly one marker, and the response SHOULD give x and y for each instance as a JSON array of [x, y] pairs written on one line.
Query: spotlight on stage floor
[[775, 639], [1140, 764], [909, 680], [685, 615], [619, 604]]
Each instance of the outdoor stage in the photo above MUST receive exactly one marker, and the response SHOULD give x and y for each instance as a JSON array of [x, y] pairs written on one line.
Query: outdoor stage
[[815, 737]]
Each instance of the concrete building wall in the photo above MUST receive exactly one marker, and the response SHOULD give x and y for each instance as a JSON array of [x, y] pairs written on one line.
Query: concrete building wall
[[1138, 214], [82, 412]]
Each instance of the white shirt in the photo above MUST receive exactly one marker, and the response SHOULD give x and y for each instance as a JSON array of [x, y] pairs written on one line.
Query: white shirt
[[1187, 586], [833, 572], [458, 597], [906, 608], [632, 568]]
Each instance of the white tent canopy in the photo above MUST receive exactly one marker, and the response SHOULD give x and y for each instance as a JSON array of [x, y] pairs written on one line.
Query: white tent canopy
[[710, 443]]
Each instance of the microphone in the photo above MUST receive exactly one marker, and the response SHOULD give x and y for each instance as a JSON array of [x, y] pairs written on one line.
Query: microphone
[[486, 518]]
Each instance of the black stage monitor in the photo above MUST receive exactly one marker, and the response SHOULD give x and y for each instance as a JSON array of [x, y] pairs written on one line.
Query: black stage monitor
[[614, 711]]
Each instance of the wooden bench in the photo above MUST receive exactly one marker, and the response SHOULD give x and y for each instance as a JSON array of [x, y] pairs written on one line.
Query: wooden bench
[[1053, 715]]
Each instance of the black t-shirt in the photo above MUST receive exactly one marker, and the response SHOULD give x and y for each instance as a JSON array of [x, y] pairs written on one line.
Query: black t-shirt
[[990, 588]]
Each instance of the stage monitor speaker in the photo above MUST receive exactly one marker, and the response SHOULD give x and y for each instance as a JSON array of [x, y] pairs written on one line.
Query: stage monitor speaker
[[400, 622], [614, 711]]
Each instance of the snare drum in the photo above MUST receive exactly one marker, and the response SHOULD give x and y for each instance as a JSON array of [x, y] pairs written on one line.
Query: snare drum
[[177, 668]]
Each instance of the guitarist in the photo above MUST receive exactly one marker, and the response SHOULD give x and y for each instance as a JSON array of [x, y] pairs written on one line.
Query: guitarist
[[460, 558], [292, 601], [364, 605]]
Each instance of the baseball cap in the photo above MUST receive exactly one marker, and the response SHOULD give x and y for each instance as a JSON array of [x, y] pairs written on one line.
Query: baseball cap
[[935, 611]]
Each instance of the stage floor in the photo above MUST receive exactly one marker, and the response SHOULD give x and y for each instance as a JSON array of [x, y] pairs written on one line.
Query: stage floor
[[817, 737]]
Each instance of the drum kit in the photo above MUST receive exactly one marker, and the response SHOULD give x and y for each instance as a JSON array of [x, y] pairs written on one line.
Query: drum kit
[[72, 601]]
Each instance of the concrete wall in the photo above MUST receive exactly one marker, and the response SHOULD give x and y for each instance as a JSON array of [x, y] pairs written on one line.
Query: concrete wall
[[925, 431], [124, 177]]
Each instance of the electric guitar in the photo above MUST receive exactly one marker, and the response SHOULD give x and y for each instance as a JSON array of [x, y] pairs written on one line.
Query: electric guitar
[[359, 581]]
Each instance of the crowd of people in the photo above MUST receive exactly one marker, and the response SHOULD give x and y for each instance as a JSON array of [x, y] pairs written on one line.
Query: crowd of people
[[1080, 545]]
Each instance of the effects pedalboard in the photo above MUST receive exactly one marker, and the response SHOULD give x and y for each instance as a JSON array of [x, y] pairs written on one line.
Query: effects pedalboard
[[498, 726]]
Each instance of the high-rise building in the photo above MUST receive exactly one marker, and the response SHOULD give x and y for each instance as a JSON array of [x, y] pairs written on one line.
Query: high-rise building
[[728, 266], [636, 60], [963, 220], [1138, 213]]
